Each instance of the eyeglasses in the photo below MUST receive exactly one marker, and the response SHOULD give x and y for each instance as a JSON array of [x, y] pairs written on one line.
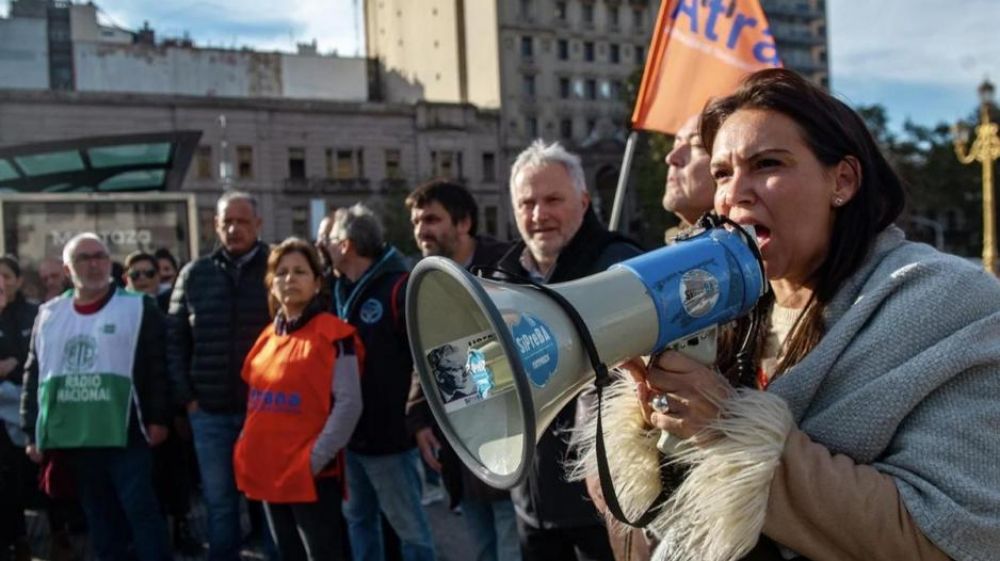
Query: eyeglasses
[[84, 257], [148, 273]]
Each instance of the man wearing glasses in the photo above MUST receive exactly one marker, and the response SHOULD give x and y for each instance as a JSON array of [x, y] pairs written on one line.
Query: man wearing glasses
[[95, 388]]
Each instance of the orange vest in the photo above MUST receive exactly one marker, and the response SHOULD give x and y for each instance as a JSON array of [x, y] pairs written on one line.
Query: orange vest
[[290, 379]]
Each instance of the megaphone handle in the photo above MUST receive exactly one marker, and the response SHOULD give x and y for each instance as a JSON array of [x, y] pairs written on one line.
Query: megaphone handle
[[703, 347]]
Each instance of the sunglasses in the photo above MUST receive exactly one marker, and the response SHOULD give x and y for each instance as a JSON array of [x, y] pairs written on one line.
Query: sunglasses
[[135, 275]]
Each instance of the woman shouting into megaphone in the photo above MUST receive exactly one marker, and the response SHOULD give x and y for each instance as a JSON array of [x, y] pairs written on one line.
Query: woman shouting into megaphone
[[865, 425]]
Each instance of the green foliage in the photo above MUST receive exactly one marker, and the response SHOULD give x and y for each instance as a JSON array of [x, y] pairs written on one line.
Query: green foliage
[[396, 219], [940, 189], [649, 177]]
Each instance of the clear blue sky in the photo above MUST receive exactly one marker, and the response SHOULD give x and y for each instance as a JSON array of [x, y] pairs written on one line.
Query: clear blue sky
[[921, 59]]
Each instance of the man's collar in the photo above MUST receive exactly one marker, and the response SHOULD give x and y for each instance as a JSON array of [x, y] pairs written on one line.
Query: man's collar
[[527, 261], [242, 259]]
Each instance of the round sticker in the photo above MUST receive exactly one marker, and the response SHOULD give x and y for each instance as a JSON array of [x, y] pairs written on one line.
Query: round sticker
[[699, 292], [371, 311], [538, 349]]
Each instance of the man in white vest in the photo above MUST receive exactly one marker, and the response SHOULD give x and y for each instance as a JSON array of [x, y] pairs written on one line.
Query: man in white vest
[[95, 388]]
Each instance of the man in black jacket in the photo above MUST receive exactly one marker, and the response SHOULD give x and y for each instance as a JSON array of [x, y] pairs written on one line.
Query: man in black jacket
[[444, 217], [91, 351], [382, 473], [217, 310], [562, 240]]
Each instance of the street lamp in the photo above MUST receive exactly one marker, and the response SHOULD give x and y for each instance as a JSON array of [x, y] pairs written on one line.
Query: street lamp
[[985, 149]]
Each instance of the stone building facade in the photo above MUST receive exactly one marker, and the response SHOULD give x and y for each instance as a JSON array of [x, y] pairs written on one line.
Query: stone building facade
[[289, 152]]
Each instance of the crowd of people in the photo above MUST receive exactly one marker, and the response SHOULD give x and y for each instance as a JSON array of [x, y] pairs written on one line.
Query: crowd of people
[[848, 417]]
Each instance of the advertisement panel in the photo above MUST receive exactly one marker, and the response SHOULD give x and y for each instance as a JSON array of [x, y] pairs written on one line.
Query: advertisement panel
[[36, 226]]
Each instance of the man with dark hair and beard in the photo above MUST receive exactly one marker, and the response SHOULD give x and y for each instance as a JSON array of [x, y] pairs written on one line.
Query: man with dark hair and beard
[[444, 217]]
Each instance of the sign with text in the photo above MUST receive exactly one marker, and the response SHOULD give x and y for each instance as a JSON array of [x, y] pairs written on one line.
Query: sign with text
[[38, 226], [700, 50]]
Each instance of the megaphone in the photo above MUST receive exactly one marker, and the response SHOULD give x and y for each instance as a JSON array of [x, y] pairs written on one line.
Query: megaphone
[[498, 361]]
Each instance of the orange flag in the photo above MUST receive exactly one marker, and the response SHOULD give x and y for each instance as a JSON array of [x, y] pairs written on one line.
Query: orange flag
[[700, 49]]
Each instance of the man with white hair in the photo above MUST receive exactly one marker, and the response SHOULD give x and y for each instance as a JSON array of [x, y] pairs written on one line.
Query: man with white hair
[[95, 388], [561, 240]]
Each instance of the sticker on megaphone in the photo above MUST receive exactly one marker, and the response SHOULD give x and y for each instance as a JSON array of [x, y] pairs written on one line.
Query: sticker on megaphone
[[469, 370], [537, 347]]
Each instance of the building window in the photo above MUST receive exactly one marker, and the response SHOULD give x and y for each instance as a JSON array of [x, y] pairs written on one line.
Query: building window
[[527, 47], [203, 168], [640, 54], [297, 163], [300, 222], [560, 13], [590, 89], [446, 164], [605, 89], [578, 87], [345, 165], [392, 165], [564, 88], [588, 51], [614, 54], [591, 125], [613, 16], [244, 162], [566, 128], [528, 85], [587, 13], [531, 126], [490, 219], [562, 48], [637, 19], [489, 167], [526, 9], [616, 89]]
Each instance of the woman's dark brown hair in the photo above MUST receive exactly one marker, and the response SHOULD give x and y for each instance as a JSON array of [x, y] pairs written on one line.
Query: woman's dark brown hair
[[833, 131], [304, 248]]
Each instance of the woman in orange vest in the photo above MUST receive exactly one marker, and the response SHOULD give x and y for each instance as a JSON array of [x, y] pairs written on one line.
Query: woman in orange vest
[[304, 401]]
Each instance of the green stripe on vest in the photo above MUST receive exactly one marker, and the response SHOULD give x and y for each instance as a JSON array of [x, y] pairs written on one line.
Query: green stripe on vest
[[84, 410]]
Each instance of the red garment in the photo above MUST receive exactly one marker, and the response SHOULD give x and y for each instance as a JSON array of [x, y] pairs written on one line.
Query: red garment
[[290, 379], [55, 477]]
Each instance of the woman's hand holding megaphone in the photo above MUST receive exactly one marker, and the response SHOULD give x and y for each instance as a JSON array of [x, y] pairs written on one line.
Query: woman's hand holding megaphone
[[693, 392]]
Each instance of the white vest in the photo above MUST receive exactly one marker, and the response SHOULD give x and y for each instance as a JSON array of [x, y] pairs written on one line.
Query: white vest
[[85, 362]]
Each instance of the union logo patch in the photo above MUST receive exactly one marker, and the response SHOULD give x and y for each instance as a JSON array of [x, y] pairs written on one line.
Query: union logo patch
[[80, 353], [371, 311]]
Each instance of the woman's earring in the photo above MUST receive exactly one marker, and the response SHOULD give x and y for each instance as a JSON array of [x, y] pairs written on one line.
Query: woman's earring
[[837, 201]]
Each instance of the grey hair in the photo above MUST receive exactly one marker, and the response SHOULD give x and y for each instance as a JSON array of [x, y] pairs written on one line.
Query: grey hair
[[539, 154], [230, 196], [70, 247], [360, 225]]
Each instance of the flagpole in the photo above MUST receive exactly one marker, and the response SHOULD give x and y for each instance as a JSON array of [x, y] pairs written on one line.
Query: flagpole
[[616, 210]]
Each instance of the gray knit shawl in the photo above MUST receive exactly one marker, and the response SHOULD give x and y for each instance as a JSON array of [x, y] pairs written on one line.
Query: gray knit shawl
[[907, 379]]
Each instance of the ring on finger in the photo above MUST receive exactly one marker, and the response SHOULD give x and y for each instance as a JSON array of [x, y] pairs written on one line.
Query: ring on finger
[[660, 404]]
